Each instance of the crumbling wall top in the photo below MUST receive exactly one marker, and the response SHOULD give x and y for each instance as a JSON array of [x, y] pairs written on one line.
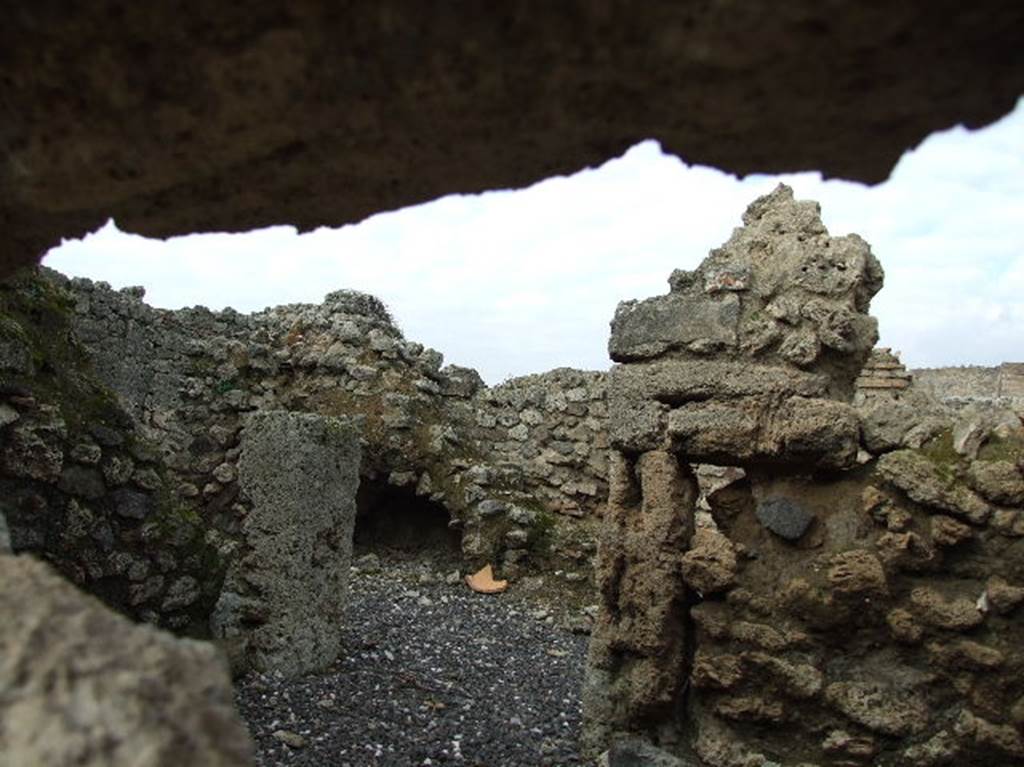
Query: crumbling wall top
[[752, 356], [781, 291]]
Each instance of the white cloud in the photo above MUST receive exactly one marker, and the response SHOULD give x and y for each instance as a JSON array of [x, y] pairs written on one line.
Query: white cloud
[[517, 282]]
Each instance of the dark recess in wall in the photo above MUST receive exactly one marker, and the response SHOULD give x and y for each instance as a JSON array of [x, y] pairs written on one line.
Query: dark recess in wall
[[395, 520]]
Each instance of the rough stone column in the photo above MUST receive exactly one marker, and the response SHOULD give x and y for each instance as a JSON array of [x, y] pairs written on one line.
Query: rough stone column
[[638, 651], [282, 602], [748, 361]]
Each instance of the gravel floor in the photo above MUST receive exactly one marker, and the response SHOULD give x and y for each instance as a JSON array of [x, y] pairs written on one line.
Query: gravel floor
[[431, 674]]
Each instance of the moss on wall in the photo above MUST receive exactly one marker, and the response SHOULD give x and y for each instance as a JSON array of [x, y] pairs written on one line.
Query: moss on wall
[[59, 380]]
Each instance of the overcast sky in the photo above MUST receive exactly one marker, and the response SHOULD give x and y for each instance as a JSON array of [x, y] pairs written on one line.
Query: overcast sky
[[515, 282]]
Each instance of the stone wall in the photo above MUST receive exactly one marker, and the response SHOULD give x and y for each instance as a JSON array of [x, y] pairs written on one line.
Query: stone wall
[[144, 506], [1001, 386], [127, 469], [1011, 380], [551, 428], [855, 596], [885, 377], [84, 486], [520, 467]]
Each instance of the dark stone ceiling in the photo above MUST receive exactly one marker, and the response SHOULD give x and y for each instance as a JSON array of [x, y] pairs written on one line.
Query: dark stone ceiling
[[227, 117]]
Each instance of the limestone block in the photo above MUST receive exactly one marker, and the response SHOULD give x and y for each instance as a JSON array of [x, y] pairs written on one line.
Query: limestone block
[[117, 470], [636, 425], [638, 645], [857, 573], [32, 453], [921, 480], [1002, 596], [750, 431], [797, 680], [999, 740], [908, 422], [458, 381], [15, 356], [903, 627], [819, 432], [283, 599], [679, 381], [965, 654], [860, 747], [82, 685], [998, 481], [801, 347], [946, 531], [715, 671], [718, 745], [760, 635], [86, 453], [975, 425], [750, 708], [710, 431], [647, 329], [8, 415], [934, 609]]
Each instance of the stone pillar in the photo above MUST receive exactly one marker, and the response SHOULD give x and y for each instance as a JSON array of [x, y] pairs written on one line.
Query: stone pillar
[[639, 647], [283, 597], [748, 361]]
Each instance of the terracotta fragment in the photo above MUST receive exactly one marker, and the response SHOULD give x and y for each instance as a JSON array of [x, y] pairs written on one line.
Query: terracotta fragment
[[483, 582]]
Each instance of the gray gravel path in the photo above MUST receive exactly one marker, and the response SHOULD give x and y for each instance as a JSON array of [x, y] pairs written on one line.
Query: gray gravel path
[[431, 674]]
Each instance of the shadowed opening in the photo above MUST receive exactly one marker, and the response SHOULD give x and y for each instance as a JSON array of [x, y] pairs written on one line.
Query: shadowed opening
[[395, 519]]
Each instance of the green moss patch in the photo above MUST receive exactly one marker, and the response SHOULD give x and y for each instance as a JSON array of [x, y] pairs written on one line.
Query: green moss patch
[[939, 449], [542, 533], [1002, 449], [37, 313]]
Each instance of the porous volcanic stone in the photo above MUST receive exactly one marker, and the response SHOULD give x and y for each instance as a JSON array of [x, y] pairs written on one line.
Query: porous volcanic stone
[[82, 685], [228, 118], [283, 600], [784, 517]]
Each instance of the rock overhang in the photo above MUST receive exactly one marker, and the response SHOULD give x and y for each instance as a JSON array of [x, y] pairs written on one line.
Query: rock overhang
[[310, 115]]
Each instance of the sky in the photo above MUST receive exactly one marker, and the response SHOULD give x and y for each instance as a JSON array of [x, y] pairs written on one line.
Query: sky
[[520, 281]]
